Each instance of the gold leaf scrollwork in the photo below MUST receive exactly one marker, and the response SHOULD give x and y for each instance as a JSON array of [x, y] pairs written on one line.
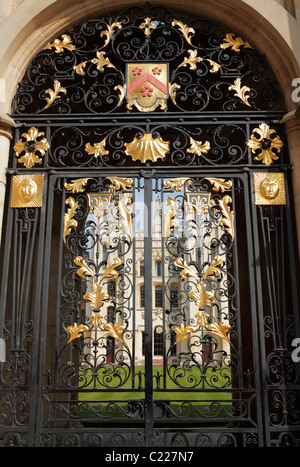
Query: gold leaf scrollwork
[[265, 140], [187, 271], [84, 269], [175, 183], [122, 93], [76, 186], [32, 148], [219, 330], [185, 30], [120, 182], [110, 271], [96, 297], [101, 61], [109, 32], [114, 330], [97, 149], [197, 147], [213, 269], [228, 216], [201, 297], [172, 91], [240, 92], [219, 183], [69, 220], [76, 331], [235, 44], [193, 59], [54, 94], [182, 332], [79, 69], [60, 45]]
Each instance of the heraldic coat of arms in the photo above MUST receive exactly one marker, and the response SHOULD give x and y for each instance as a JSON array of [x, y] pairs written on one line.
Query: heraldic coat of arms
[[147, 86]]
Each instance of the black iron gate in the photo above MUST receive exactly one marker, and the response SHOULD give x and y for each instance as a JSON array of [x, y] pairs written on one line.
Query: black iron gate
[[149, 289]]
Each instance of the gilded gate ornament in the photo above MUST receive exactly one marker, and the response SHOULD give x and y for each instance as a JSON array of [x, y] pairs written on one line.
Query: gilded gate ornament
[[147, 148], [31, 147], [234, 43], [265, 143], [269, 188], [147, 86], [27, 191]]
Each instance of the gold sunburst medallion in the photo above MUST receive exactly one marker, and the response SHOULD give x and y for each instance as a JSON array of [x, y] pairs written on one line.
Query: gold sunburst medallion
[[269, 188]]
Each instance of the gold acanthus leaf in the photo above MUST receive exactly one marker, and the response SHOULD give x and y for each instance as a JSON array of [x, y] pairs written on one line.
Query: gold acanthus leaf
[[109, 32], [114, 330], [98, 149], [110, 270], [201, 297], [69, 220], [120, 182], [76, 186], [213, 270], [84, 269], [184, 29], [96, 297], [122, 93], [79, 69], [60, 45], [172, 91], [192, 60], [96, 319], [219, 330], [175, 183], [76, 331], [54, 94], [101, 61], [187, 271], [197, 147], [235, 44], [240, 92], [228, 216], [219, 183], [201, 318], [182, 332]]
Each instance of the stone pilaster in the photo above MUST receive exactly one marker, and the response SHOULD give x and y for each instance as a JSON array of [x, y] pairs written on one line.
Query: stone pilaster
[[292, 126], [6, 125]]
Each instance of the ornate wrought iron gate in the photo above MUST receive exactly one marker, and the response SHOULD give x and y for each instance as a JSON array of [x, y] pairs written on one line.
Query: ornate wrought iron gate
[[149, 274]]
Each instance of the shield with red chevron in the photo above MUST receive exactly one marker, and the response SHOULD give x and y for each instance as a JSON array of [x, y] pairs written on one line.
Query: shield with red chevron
[[147, 86]]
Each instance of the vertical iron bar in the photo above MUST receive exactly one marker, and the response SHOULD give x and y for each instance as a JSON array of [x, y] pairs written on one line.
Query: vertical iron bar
[[148, 314]]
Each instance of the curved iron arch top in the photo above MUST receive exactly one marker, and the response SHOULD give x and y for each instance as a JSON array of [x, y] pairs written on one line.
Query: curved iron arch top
[[145, 60]]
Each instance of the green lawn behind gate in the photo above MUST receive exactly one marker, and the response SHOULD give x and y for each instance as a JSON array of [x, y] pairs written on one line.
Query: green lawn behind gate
[[206, 403]]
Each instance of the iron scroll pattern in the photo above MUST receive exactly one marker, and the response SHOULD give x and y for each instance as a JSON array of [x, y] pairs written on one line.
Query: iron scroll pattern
[[100, 254], [209, 69]]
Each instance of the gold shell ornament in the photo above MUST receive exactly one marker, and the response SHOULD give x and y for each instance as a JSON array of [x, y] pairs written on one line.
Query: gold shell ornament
[[147, 148]]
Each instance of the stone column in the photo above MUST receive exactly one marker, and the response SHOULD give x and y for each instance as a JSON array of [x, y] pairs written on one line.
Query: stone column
[[292, 125], [6, 125]]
